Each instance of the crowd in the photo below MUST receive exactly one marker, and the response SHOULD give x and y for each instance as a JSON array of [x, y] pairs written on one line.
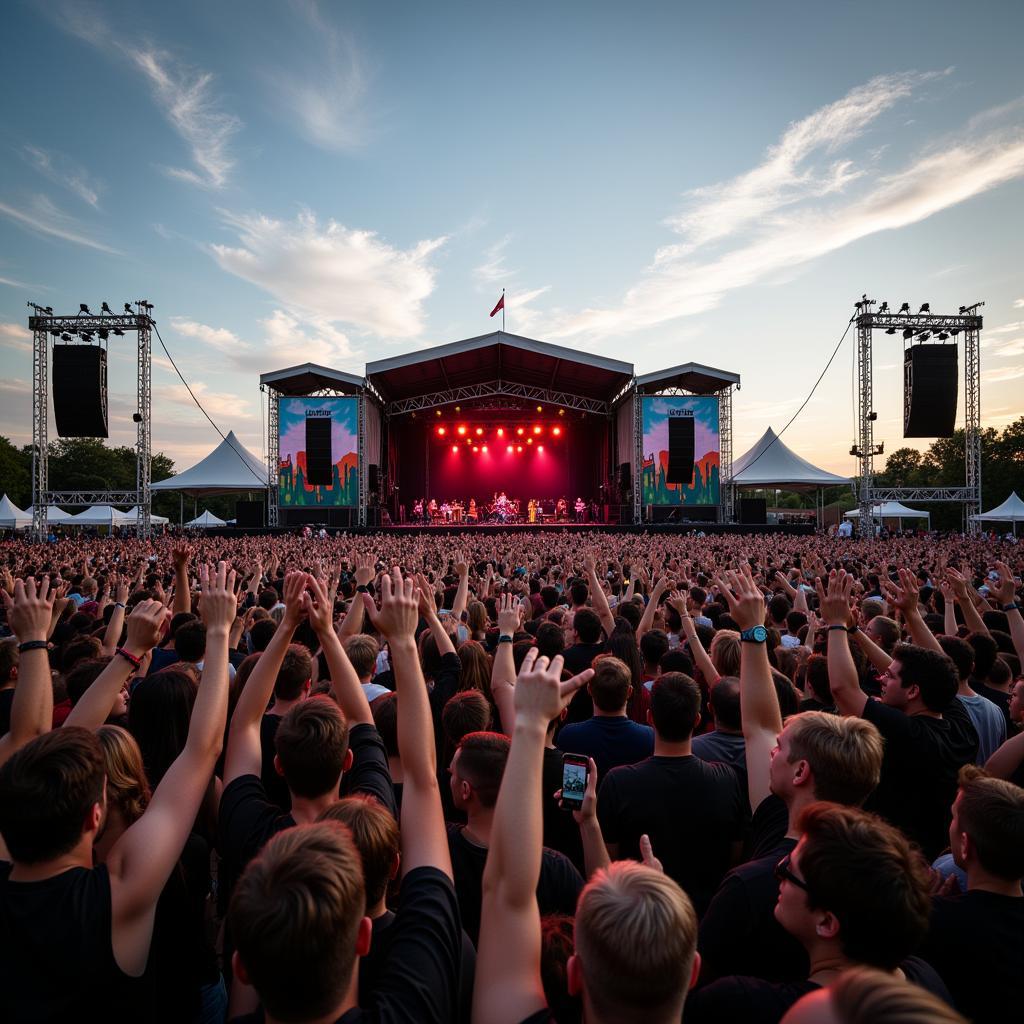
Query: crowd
[[319, 780]]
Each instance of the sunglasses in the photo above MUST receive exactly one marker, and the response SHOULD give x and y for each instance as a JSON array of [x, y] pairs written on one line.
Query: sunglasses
[[784, 874]]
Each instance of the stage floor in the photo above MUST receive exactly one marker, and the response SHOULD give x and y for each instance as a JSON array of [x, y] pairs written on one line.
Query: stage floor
[[593, 528]]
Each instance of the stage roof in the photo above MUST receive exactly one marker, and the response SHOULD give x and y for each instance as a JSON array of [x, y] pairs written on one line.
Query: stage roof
[[309, 378], [495, 356], [694, 377]]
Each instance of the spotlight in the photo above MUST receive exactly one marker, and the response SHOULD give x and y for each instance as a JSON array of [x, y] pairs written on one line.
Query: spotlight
[[103, 333], [441, 431], [136, 417], [48, 310], [556, 431], [83, 308], [118, 332], [908, 333], [536, 430], [924, 335], [501, 431], [509, 449], [943, 335], [458, 408], [892, 330], [884, 307], [540, 447], [905, 308], [437, 412], [529, 440], [484, 449], [561, 412], [86, 336], [105, 309], [519, 447], [519, 431], [65, 336], [479, 431], [475, 449], [955, 332], [925, 308], [540, 408], [128, 308], [462, 430], [963, 309], [455, 449]]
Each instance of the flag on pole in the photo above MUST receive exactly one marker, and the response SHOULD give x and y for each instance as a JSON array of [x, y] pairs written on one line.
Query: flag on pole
[[500, 305]]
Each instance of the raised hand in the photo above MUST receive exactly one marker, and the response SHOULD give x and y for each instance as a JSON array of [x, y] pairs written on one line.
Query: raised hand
[[834, 600], [509, 616], [1002, 589], [540, 693], [364, 569], [746, 602], [218, 603], [28, 614], [145, 627], [399, 610], [904, 595], [647, 857], [317, 604], [180, 554], [295, 584]]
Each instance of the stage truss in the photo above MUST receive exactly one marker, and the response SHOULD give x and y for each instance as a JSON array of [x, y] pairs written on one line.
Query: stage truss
[[497, 389], [44, 325], [727, 496], [968, 321]]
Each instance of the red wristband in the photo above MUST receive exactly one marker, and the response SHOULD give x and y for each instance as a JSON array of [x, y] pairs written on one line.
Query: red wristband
[[136, 662]]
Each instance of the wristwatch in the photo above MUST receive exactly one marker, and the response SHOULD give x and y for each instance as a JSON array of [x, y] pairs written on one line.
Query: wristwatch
[[755, 635]]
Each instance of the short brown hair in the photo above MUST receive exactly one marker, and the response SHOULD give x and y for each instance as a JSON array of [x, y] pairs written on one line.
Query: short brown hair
[[375, 833], [636, 936], [482, 759], [465, 712], [864, 871], [312, 741], [610, 684], [295, 914], [296, 670], [845, 754], [46, 791], [991, 812], [362, 651]]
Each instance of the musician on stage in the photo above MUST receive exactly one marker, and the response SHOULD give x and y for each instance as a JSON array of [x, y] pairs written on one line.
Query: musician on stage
[[562, 510], [472, 513], [581, 509], [531, 511]]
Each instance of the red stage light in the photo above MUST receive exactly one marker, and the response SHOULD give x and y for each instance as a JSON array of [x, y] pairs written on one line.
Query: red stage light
[[501, 431], [540, 447], [462, 430], [556, 431], [437, 412], [536, 430], [479, 431], [519, 430], [509, 449], [529, 440], [440, 431], [455, 449], [484, 449], [540, 408], [475, 449], [519, 447]]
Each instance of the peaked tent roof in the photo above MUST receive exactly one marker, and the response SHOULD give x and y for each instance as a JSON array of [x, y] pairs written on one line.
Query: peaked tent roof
[[771, 463], [1011, 511], [101, 515], [891, 510], [132, 515], [53, 514], [12, 517], [206, 520], [229, 467]]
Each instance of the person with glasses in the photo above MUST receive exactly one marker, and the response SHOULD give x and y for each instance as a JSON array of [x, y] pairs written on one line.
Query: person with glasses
[[854, 892]]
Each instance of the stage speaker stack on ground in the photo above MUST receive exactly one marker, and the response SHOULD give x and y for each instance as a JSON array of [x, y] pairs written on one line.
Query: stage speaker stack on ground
[[680, 450], [753, 511], [80, 390], [319, 468], [929, 390]]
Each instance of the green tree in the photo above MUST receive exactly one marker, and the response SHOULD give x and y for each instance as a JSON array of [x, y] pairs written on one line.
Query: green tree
[[903, 468], [15, 473]]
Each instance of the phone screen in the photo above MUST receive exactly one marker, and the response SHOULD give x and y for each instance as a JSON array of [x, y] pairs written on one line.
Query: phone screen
[[574, 782]]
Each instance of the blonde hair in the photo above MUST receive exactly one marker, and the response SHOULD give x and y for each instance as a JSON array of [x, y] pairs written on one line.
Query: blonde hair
[[845, 754], [867, 996], [127, 785], [636, 937], [362, 651], [725, 652]]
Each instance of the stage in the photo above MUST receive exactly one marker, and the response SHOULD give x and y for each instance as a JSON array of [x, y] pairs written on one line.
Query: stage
[[671, 529]]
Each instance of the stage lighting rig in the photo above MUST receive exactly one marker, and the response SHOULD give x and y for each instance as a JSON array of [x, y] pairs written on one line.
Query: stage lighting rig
[[83, 308], [106, 309], [908, 333], [892, 330], [103, 333], [128, 308], [884, 307], [925, 308], [65, 336], [905, 308]]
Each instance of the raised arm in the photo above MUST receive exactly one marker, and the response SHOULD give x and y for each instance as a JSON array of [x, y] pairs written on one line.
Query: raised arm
[[508, 984], [834, 606], [1007, 758], [319, 607], [28, 615], [145, 625], [1005, 593], [244, 755], [462, 592], [878, 658], [904, 596], [141, 861], [595, 853], [353, 622], [697, 652], [424, 839], [428, 609], [597, 598], [647, 620], [503, 670], [759, 704], [965, 595], [116, 624], [182, 591]]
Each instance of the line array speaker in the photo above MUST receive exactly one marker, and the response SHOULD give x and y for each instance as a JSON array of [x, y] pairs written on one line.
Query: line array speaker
[[80, 390], [929, 390], [753, 511], [319, 471], [680, 450]]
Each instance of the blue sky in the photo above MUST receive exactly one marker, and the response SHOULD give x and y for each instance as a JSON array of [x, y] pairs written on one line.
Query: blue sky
[[659, 182]]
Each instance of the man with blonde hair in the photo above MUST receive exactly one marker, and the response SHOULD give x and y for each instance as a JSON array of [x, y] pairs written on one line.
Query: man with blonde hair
[[362, 651]]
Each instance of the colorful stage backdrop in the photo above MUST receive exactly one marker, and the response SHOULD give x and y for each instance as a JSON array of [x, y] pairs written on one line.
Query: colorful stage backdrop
[[704, 488], [293, 491]]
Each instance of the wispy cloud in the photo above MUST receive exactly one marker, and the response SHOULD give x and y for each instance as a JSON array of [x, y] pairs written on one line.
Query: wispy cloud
[[324, 99], [342, 275], [493, 269], [184, 94], [784, 213], [1018, 304], [43, 217], [16, 337], [63, 171], [1003, 373], [11, 283]]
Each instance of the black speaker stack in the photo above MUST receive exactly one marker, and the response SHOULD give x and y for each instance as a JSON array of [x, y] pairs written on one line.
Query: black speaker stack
[[680, 450], [319, 468], [80, 390], [929, 390]]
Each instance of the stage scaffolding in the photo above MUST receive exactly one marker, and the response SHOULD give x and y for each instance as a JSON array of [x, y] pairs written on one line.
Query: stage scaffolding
[[969, 321], [44, 325]]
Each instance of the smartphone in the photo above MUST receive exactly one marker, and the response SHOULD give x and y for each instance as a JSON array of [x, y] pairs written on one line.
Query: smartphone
[[574, 780]]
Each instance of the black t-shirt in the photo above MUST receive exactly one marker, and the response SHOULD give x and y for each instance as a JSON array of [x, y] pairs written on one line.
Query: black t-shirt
[[558, 888], [693, 810], [768, 827], [58, 959], [274, 784], [561, 832], [739, 933], [577, 658], [919, 770], [976, 943], [419, 978], [755, 1001], [6, 700], [1000, 698]]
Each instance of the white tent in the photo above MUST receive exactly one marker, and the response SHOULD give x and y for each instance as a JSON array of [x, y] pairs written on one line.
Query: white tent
[[207, 521], [101, 515], [229, 467], [132, 516], [891, 510], [770, 463], [1011, 511], [53, 514], [12, 517]]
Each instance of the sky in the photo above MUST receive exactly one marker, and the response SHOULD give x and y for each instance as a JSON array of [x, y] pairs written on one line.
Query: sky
[[656, 182]]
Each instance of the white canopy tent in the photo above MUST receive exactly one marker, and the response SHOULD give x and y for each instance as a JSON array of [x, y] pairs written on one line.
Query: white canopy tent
[[207, 521], [892, 510], [229, 467], [12, 517], [132, 516], [771, 463], [1011, 511], [101, 515], [53, 514]]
